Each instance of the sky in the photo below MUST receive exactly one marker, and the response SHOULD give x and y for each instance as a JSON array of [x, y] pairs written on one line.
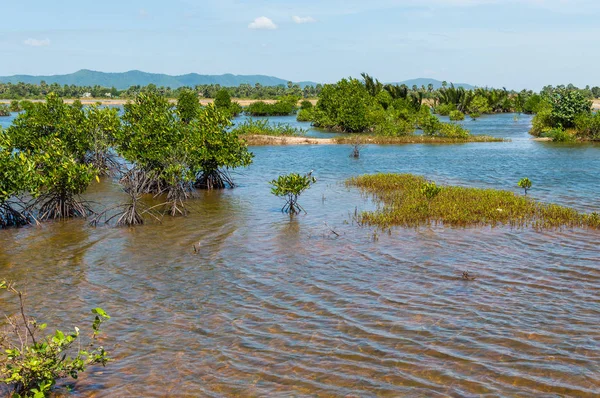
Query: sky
[[500, 43]]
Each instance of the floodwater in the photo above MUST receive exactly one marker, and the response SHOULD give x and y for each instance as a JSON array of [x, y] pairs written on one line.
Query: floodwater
[[273, 306]]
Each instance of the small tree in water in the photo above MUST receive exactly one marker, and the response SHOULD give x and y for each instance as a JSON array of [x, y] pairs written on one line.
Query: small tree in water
[[291, 186], [525, 183]]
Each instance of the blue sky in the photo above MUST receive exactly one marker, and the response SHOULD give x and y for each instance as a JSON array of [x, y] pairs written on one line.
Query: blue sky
[[512, 43]]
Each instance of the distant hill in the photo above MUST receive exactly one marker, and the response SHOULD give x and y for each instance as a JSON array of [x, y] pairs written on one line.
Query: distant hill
[[125, 80], [436, 83]]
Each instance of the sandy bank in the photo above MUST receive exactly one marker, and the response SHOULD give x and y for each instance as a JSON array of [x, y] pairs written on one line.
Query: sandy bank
[[256, 140], [596, 104]]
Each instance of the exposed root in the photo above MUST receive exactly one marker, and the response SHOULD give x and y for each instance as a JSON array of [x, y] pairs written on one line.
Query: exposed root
[[15, 215], [61, 206], [214, 179]]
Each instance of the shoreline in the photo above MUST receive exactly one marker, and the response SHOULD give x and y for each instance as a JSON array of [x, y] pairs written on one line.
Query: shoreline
[[118, 102], [203, 101]]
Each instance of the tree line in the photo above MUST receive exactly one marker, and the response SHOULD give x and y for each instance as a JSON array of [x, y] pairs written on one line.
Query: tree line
[[258, 91]]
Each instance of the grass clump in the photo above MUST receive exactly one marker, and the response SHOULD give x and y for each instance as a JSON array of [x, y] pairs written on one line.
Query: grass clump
[[404, 202], [264, 127]]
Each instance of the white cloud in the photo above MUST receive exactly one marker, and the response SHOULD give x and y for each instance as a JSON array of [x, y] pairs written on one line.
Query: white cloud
[[37, 42], [298, 19], [262, 23]]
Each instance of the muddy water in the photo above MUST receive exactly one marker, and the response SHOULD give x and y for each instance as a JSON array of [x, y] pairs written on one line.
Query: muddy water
[[276, 307]]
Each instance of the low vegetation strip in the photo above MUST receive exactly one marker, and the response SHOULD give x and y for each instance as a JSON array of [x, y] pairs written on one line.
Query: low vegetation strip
[[408, 200], [412, 139]]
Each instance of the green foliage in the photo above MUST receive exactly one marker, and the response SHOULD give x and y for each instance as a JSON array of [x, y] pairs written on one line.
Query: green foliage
[[566, 106], [69, 146], [306, 104], [457, 116], [18, 177], [558, 134], [525, 183], [222, 99], [290, 187], [588, 126], [452, 130], [306, 115], [151, 133], [213, 150], [445, 109], [188, 106], [404, 204], [224, 104], [31, 365], [430, 190], [52, 119], [15, 106], [532, 104], [4, 110], [344, 106], [561, 109], [265, 127], [479, 105], [284, 107]]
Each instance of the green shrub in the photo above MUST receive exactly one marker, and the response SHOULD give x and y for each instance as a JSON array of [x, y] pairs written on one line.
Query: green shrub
[[430, 124], [305, 115], [344, 106], [479, 105], [452, 130], [4, 110], [290, 187], [31, 364], [457, 116], [15, 106], [558, 135], [445, 109], [279, 108], [265, 127], [525, 183], [222, 99], [588, 126], [306, 104]]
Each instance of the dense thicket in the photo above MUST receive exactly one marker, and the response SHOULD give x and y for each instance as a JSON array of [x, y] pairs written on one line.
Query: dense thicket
[[53, 152], [368, 106], [566, 115]]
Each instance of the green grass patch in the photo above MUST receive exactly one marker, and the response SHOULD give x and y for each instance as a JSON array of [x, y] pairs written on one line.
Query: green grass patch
[[403, 201], [264, 127]]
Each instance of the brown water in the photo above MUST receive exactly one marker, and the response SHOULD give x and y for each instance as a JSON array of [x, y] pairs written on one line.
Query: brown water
[[278, 307]]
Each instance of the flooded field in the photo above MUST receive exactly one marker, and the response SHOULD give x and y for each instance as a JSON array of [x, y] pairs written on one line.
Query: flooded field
[[284, 307]]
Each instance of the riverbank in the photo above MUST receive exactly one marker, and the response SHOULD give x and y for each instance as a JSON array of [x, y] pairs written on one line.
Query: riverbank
[[358, 139]]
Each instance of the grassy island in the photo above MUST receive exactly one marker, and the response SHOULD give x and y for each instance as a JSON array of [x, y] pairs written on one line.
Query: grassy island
[[409, 201]]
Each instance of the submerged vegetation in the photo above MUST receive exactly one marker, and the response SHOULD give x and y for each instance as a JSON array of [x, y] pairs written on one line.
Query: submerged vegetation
[[409, 201], [31, 364]]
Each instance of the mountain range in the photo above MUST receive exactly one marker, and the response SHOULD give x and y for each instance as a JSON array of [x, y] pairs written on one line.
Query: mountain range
[[124, 80]]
